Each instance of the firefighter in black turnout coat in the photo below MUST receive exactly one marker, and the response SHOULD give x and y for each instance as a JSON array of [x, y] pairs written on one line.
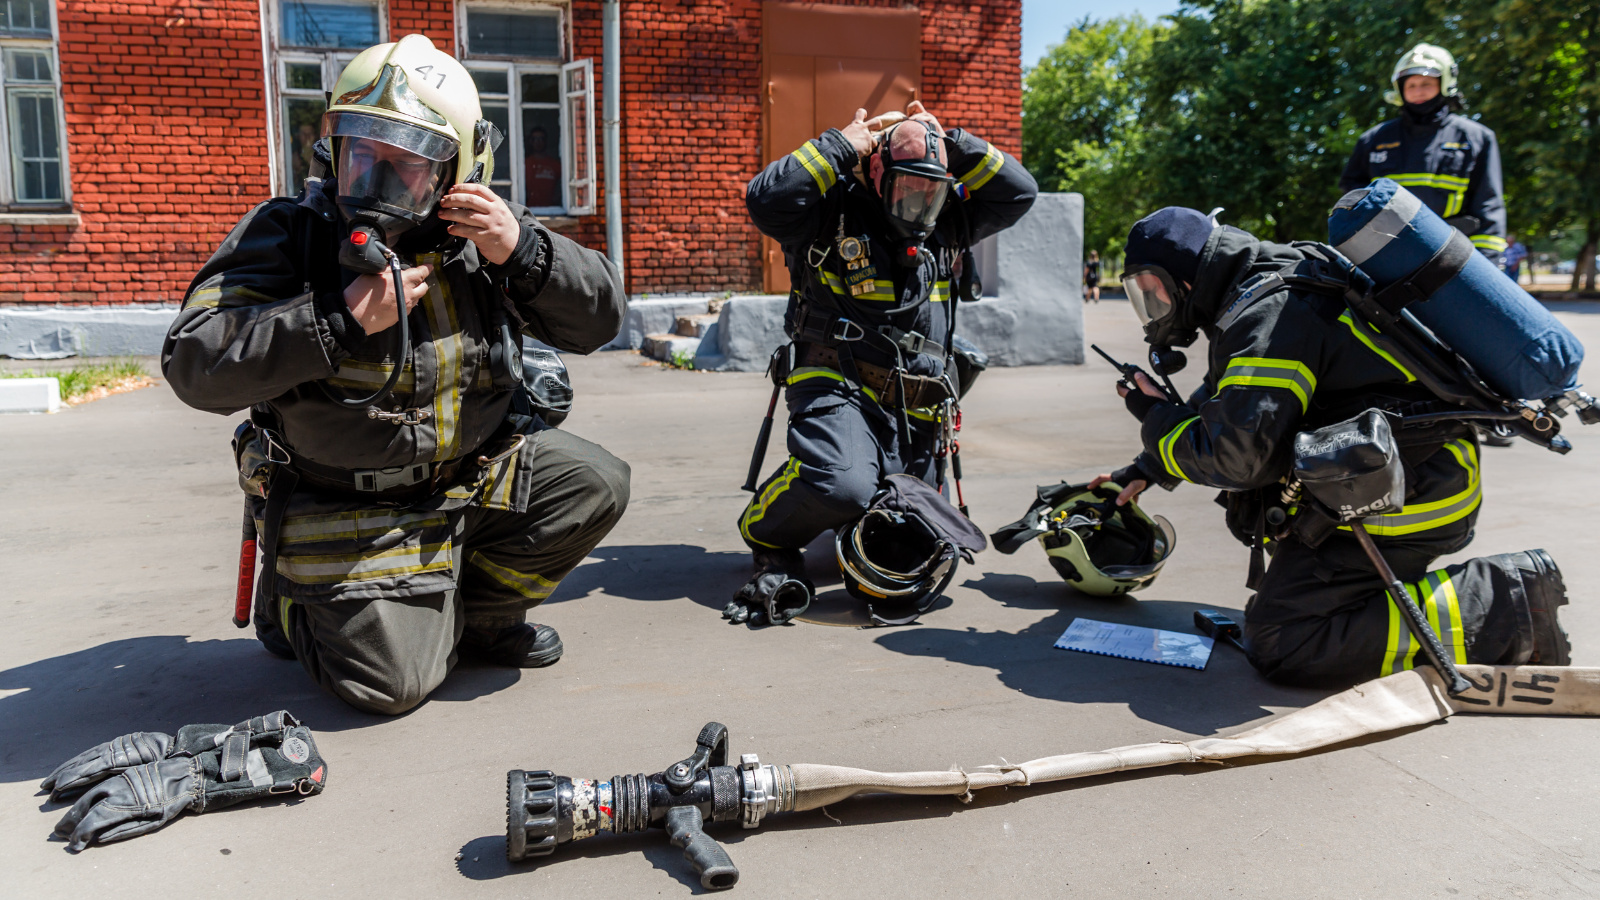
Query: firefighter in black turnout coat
[[876, 227], [1449, 161], [1289, 359]]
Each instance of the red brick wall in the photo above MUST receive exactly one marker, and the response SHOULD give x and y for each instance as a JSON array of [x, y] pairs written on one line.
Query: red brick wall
[[691, 124], [166, 156]]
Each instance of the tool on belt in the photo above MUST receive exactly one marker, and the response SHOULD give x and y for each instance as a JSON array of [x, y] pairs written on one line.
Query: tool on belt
[[545, 810], [1354, 469]]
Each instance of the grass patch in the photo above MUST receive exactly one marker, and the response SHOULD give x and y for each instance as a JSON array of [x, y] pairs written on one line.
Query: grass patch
[[81, 383], [682, 360]]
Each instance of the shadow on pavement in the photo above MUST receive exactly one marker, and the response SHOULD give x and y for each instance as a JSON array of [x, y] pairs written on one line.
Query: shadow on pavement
[[72, 702], [657, 572], [1226, 693]]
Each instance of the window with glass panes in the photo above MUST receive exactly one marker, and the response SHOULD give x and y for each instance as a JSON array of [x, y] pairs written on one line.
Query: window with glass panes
[[515, 54], [315, 40], [34, 166]]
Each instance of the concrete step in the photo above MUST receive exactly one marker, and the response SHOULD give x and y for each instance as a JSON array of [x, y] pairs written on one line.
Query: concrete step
[[30, 395], [670, 347], [694, 326]]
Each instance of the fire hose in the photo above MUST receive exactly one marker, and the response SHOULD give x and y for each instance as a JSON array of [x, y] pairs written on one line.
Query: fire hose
[[545, 810]]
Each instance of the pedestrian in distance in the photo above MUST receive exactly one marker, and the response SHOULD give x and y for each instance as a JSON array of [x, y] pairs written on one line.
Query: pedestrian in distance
[[1091, 277]]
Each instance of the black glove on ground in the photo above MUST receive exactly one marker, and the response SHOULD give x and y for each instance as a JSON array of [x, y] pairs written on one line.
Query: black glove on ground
[[205, 767], [778, 591]]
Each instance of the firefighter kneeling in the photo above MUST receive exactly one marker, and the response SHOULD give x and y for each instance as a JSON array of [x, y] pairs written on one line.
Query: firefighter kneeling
[[877, 222], [1284, 359], [407, 513]]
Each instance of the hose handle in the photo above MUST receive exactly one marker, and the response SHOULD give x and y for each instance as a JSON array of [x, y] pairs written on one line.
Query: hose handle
[[717, 872]]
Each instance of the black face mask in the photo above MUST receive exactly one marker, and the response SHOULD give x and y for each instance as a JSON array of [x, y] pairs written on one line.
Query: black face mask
[[913, 192], [1425, 112]]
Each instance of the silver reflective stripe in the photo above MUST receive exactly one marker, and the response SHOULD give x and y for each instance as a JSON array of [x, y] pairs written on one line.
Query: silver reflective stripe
[[256, 768], [1249, 293], [1384, 227]]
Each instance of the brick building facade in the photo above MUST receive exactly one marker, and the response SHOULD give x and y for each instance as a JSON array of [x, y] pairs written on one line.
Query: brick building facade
[[176, 117]]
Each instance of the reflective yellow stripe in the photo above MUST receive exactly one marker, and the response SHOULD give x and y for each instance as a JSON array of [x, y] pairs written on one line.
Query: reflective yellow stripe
[[447, 345], [1413, 518], [941, 292], [1401, 650], [1166, 445], [821, 170], [925, 413], [1453, 204], [837, 286], [759, 504], [1257, 371], [355, 373], [230, 297], [1488, 242], [532, 586], [1361, 336], [337, 568], [985, 169], [356, 525], [1436, 595], [1455, 185]]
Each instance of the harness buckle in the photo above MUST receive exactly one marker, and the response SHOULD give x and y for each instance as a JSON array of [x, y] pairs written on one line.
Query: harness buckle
[[844, 331], [377, 480], [405, 417], [813, 258]]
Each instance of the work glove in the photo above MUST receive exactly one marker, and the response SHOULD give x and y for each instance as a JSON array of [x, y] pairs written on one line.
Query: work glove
[[770, 598], [139, 782]]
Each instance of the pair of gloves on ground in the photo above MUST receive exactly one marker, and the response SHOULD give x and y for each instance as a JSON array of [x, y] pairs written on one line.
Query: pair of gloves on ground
[[139, 782]]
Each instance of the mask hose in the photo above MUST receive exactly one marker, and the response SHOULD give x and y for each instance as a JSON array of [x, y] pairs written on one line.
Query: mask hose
[[362, 255]]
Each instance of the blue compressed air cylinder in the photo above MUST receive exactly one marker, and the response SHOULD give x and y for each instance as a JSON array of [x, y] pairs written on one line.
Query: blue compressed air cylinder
[[1516, 345]]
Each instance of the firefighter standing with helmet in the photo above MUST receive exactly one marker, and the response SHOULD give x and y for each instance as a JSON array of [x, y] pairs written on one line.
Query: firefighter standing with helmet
[[1449, 161], [406, 514], [876, 221], [1289, 358]]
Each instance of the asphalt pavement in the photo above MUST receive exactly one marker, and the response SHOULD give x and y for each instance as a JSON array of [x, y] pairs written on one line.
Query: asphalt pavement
[[119, 535]]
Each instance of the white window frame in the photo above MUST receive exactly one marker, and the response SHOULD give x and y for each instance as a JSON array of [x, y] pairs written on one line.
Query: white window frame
[[8, 199], [578, 194], [276, 55]]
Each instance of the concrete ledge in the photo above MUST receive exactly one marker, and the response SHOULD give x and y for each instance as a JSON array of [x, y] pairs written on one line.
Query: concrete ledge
[[71, 220], [30, 395], [655, 315], [56, 332]]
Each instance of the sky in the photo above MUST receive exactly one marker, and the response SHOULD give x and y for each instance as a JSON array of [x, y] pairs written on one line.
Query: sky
[[1045, 22]]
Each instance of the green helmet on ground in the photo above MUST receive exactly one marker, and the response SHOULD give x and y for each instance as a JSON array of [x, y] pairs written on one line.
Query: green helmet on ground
[[1100, 548], [1425, 59]]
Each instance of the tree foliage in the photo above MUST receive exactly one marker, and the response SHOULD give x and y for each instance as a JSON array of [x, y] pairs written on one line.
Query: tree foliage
[[1081, 107], [1255, 106]]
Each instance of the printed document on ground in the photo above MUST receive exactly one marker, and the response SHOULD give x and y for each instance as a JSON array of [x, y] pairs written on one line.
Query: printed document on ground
[[1169, 648]]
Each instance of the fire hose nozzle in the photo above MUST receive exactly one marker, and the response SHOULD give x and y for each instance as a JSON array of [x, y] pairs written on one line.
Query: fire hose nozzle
[[545, 810]]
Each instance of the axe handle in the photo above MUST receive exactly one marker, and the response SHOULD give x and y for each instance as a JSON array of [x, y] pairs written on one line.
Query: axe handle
[[1432, 648], [245, 590], [759, 456]]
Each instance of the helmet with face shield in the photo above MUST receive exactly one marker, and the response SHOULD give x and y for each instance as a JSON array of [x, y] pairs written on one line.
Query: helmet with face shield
[[406, 125], [913, 191]]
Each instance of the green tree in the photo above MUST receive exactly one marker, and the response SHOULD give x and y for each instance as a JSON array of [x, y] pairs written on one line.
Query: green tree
[[1255, 105], [1081, 108], [1531, 71]]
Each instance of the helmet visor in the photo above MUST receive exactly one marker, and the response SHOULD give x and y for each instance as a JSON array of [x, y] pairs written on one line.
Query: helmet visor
[[1152, 292], [915, 198], [387, 179]]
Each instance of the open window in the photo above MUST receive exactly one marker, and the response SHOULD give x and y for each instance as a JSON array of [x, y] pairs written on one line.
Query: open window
[[544, 106], [311, 44], [33, 166]]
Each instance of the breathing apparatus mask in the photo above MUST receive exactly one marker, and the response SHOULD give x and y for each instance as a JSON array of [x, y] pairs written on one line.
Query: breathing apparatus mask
[[391, 178], [914, 192], [1155, 296]]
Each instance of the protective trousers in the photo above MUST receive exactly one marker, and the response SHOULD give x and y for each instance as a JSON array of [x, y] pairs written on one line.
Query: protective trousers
[[1322, 615], [842, 445], [377, 624]]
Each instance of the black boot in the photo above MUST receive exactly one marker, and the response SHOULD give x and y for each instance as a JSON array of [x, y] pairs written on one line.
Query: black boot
[[778, 591], [521, 646], [1546, 593]]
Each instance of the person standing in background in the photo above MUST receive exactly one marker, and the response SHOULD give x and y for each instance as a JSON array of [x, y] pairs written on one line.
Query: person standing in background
[[1091, 277]]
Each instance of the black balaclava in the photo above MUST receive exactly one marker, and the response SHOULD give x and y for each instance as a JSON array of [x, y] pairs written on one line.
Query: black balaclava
[[1171, 238]]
